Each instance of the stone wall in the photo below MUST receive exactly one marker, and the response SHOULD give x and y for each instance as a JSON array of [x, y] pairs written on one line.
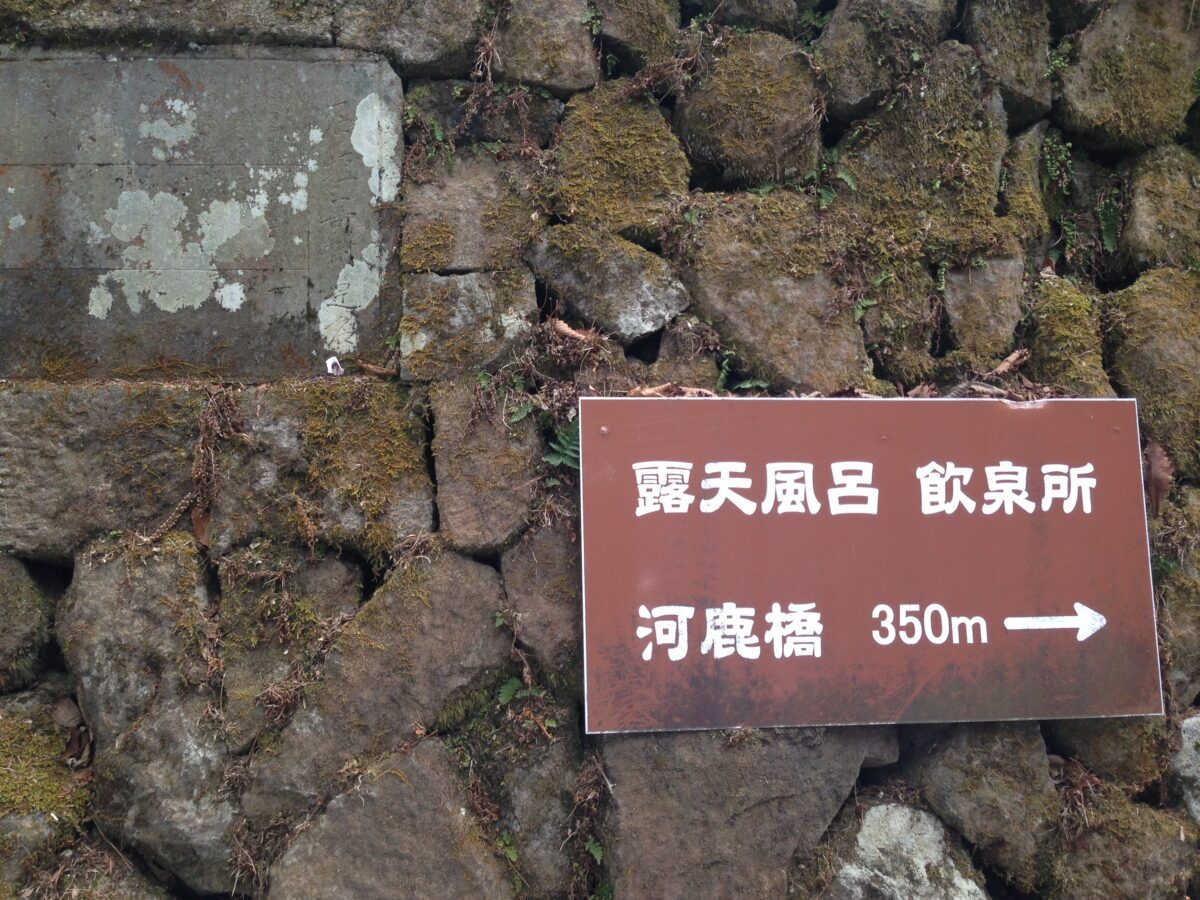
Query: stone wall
[[266, 629]]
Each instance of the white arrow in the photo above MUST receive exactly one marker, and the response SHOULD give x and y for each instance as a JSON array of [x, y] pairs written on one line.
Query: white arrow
[[1088, 621]]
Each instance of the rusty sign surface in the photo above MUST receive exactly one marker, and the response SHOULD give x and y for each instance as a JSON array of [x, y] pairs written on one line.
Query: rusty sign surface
[[812, 562]]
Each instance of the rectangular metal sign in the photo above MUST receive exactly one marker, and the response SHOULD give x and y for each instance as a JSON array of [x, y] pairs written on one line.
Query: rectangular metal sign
[[816, 562]]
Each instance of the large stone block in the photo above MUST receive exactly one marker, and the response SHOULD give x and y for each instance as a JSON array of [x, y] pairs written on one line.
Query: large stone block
[[223, 210]]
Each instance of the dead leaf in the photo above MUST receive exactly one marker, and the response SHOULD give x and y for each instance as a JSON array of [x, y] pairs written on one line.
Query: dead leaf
[[1160, 475], [1013, 361], [200, 520], [923, 390]]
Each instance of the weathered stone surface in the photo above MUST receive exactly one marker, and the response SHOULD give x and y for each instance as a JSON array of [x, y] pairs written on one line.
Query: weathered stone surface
[[701, 813], [404, 832], [756, 115], [1132, 751], [1128, 850], [1131, 85], [426, 37], [1162, 221], [889, 851], [538, 810], [869, 45], [1185, 766], [609, 282], [442, 106], [639, 31], [40, 802], [992, 784], [1157, 359], [1064, 346], [619, 163], [1175, 542], [78, 462], [426, 634], [339, 461], [208, 21], [687, 355], [546, 43], [542, 580], [134, 628], [1013, 36], [274, 605], [756, 274], [486, 470], [470, 216], [983, 305], [26, 615], [458, 324], [196, 212]]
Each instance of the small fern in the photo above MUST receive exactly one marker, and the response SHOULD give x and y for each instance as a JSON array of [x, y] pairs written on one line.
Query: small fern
[[564, 447]]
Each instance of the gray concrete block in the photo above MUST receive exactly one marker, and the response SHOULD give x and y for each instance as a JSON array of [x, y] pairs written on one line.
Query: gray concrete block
[[225, 211]]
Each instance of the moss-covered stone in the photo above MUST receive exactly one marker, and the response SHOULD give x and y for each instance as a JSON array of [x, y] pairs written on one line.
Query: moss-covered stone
[[1130, 751], [458, 324], [754, 268], [1128, 850], [607, 281], [546, 43], [1175, 544], [1162, 221], [756, 115], [486, 470], [639, 31], [426, 636], [427, 37], [337, 463], [25, 625], [274, 606], [913, 192], [1064, 343], [1132, 82], [991, 782], [1023, 212], [619, 165], [1013, 37], [983, 306], [1155, 327], [870, 45], [474, 214]]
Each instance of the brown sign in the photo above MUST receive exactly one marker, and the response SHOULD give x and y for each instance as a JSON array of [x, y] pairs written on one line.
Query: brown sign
[[815, 562]]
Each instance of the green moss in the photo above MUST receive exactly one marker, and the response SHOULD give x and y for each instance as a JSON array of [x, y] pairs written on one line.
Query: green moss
[[1023, 210], [1145, 66], [462, 323], [361, 442], [1155, 328], [756, 115], [1065, 341], [619, 165], [33, 779], [427, 246]]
